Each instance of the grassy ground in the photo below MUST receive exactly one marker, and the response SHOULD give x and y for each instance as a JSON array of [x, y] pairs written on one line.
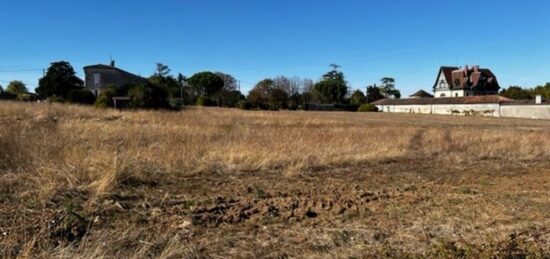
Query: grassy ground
[[85, 183]]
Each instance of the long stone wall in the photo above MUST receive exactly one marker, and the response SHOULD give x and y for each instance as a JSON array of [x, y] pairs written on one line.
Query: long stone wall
[[494, 110], [526, 111]]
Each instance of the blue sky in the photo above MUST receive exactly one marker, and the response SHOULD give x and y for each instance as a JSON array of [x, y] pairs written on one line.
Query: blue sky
[[255, 39]]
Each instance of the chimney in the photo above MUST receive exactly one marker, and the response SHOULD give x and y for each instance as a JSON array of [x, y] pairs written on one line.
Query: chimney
[[112, 62], [538, 99]]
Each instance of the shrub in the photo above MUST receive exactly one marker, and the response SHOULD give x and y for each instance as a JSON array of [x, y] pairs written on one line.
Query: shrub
[[82, 96], [27, 97], [204, 101], [346, 107], [176, 103], [148, 96], [55, 99], [244, 105], [105, 98], [367, 107], [103, 101]]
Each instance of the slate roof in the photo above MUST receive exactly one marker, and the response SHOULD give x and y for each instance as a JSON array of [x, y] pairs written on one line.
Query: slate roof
[[107, 67], [447, 72], [471, 74], [422, 94]]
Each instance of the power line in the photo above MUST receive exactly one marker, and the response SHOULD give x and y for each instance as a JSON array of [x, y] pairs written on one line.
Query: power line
[[21, 70]]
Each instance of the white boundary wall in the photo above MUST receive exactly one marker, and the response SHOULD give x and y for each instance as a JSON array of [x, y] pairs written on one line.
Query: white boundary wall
[[526, 111], [492, 109]]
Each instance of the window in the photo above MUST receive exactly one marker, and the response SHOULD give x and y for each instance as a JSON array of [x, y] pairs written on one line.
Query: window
[[442, 84], [456, 94], [442, 95], [97, 79]]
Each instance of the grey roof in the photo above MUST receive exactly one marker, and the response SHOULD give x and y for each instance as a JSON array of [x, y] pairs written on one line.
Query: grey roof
[[421, 93], [107, 67]]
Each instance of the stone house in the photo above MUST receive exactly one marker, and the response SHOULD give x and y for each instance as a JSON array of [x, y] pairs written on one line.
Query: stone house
[[97, 77], [466, 81]]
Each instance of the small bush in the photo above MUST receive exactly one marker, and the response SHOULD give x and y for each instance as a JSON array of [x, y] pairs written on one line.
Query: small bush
[[176, 103], [81, 96], [367, 107], [55, 99], [7, 96], [26, 97], [204, 101], [103, 101], [244, 105], [148, 96]]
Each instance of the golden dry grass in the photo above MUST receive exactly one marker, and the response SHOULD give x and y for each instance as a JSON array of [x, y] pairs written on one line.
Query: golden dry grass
[[82, 182]]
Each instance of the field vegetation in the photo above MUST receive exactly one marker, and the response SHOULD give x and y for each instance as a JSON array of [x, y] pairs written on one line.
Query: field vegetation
[[81, 182]]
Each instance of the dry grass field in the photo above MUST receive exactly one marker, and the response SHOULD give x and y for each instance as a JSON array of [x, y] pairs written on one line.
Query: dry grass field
[[79, 182]]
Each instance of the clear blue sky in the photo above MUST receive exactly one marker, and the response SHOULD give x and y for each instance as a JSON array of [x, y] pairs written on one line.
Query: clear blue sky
[[255, 39]]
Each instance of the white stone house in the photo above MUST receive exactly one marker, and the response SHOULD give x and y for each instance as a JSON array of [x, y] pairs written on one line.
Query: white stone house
[[466, 81]]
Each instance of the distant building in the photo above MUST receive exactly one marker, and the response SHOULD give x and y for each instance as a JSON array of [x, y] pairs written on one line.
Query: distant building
[[468, 91], [97, 77], [466, 81], [421, 94]]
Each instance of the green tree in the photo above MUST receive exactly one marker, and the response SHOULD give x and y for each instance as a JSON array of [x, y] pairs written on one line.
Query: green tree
[[162, 70], [259, 95], [387, 88], [206, 84], [367, 107], [162, 79], [266, 95], [358, 98], [82, 96], [232, 98], [105, 98], [333, 86], [148, 95], [59, 80], [182, 84], [229, 96], [277, 98], [17, 88], [5, 95], [373, 93], [542, 90], [516, 92]]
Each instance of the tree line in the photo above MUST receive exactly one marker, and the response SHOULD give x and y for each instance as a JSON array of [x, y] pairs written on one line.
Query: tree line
[[164, 90], [518, 92], [332, 89]]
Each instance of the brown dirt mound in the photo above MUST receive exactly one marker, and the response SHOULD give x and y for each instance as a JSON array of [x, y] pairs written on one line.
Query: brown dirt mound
[[285, 208]]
